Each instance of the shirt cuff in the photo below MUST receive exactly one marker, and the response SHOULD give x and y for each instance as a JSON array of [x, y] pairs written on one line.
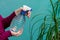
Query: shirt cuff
[[8, 33]]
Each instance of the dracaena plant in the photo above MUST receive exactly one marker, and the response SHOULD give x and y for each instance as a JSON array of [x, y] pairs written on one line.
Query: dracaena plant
[[53, 31]]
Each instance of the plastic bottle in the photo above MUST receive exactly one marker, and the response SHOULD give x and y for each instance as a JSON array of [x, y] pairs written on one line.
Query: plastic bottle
[[19, 20]]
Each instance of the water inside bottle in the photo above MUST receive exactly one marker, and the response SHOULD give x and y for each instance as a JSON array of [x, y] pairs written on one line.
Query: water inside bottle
[[18, 22]]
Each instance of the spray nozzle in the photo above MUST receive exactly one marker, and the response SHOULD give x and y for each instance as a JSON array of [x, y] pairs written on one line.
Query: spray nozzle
[[25, 9]]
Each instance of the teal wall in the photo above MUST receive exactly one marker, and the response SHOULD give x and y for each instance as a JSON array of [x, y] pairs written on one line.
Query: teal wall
[[38, 6]]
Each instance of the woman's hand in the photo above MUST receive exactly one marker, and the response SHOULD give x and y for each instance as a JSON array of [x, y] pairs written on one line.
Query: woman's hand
[[19, 32], [17, 11]]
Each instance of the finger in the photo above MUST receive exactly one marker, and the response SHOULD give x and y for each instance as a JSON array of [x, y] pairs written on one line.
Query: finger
[[21, 30]]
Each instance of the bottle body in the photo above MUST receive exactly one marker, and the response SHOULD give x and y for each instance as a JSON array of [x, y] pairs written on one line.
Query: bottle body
[[17, 22]]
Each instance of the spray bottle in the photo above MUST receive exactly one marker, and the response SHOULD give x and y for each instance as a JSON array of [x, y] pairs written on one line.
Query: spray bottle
[[19, 21]]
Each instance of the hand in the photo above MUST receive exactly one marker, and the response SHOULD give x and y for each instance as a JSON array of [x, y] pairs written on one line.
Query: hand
[[18, 10], [19, 32], [29, 14]]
